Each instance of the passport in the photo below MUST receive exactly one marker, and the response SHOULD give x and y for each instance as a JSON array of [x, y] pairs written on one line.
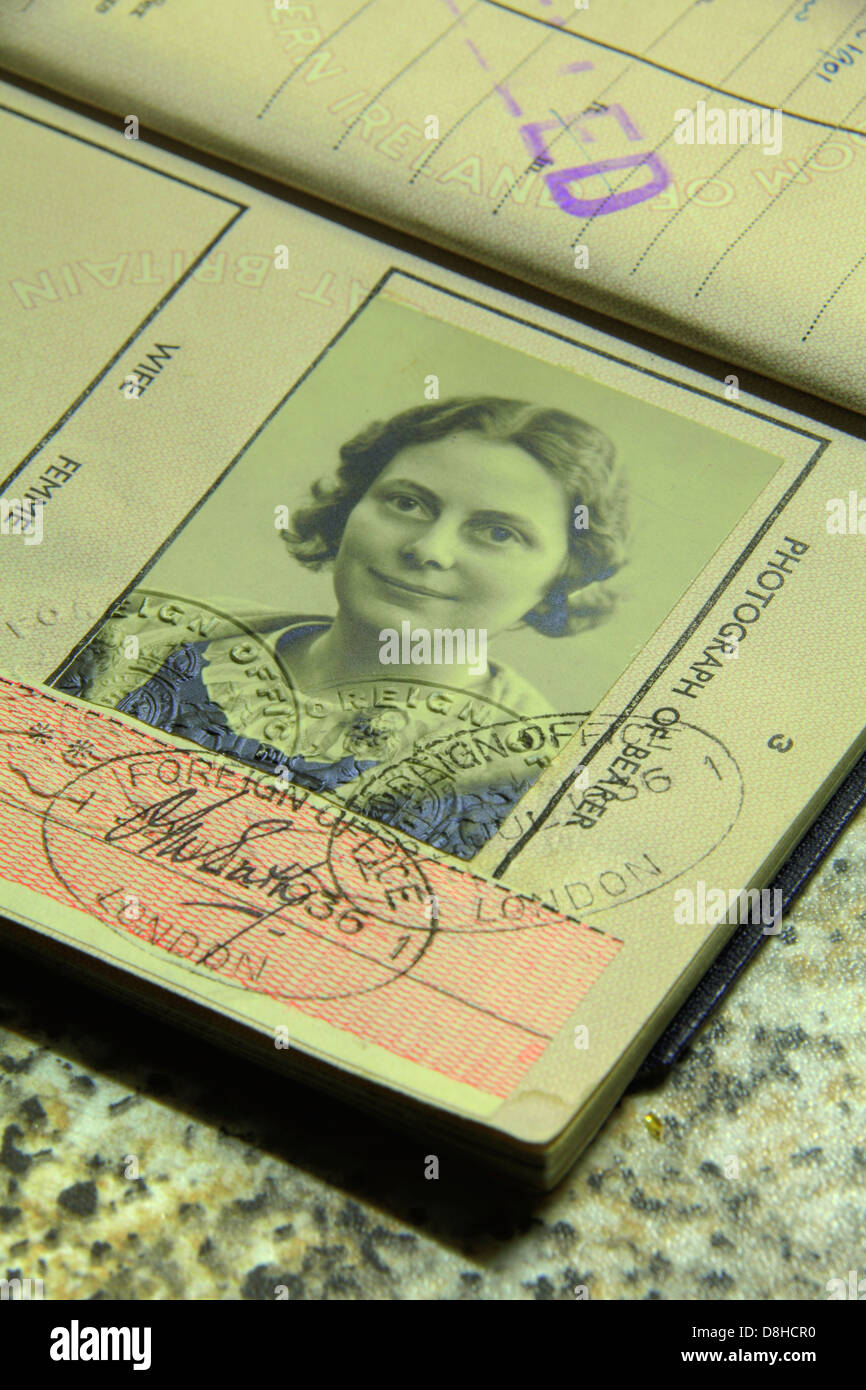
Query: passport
[[413, 676]]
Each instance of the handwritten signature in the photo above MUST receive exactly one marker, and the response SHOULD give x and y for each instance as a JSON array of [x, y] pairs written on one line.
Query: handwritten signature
[[171, 832]]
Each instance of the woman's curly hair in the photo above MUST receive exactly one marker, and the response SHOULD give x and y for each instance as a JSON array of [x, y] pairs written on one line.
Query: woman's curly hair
[[579, 455]]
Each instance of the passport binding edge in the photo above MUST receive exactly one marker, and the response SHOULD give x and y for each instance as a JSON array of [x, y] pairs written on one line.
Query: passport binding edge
[[33, 739], [735, 955]]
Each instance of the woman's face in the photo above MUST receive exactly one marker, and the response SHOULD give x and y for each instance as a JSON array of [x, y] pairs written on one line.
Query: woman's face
[[462, 532]]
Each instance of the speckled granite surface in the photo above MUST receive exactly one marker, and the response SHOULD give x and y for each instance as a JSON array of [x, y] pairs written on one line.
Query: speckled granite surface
[[245, 1184]]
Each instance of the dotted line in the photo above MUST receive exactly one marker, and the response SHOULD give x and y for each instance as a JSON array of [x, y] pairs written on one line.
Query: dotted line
[[270, 101], [471, 110], [775, 198], [604, 91], [724, 165], [707, 90], [535, 166], [396, 78], [313, 51], [660, 233], [833, 296]]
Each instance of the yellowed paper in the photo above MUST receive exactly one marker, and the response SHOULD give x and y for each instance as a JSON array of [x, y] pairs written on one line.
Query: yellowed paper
[[697, 170], [683, 699]]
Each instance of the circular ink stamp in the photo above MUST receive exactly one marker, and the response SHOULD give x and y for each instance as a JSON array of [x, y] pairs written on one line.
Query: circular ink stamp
[[655, 801], [237, 879], [175, 663], [455, 791]]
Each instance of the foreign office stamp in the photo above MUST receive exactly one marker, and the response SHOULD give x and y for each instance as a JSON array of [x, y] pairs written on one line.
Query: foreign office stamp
[[275, 891]]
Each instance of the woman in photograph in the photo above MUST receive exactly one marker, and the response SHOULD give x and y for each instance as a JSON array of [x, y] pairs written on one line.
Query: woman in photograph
[[475, 516]]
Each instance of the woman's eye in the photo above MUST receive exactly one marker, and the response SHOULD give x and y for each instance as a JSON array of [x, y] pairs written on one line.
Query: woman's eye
[[403, 502], [501, 534]]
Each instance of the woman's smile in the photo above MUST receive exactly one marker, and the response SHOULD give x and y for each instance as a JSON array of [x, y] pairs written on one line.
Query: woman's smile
[[405, 588]]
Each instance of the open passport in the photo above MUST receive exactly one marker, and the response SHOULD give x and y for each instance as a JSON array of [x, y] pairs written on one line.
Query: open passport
[[432, 523]]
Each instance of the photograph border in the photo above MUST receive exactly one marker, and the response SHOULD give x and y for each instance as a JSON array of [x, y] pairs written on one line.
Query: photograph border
[[821, 442]]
